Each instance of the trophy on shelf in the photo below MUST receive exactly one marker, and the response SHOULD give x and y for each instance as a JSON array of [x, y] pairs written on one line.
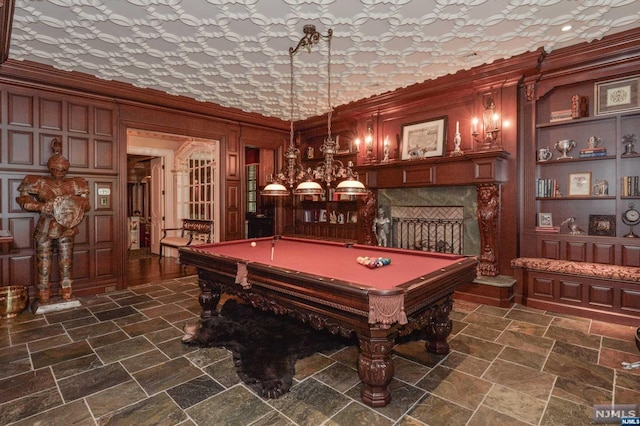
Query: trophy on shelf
[[564, 146], [594, 142]]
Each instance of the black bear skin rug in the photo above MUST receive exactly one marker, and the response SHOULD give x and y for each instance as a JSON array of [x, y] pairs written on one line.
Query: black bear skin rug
[[264, 346]]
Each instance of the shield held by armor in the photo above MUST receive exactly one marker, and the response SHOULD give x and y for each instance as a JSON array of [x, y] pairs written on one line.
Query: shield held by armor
[[68, 210]]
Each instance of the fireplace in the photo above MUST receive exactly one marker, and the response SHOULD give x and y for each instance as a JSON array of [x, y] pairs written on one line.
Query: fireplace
[[472, 182], [435, 219], [428, 228]]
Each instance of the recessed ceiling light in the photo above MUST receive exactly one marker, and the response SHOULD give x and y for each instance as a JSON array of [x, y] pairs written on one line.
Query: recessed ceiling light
[[566, 28]]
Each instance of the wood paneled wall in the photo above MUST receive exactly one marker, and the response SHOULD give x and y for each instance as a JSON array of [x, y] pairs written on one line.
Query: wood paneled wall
[[30, 120]]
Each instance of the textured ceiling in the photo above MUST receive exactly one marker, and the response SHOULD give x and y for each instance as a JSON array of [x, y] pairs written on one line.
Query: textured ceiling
[[235, 52]]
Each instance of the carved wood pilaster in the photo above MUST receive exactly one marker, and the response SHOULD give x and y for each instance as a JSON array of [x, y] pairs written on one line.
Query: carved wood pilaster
[[367, 215], [488, 214]]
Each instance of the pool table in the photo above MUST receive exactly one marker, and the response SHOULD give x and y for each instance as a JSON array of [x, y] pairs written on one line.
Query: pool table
[[322, 284]]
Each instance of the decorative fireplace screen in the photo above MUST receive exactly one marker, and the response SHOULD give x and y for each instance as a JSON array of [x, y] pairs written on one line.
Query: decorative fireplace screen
[[428, 228]]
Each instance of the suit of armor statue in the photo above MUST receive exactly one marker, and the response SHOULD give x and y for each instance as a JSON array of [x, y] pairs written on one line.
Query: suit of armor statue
[[381, 228], [61, 203]]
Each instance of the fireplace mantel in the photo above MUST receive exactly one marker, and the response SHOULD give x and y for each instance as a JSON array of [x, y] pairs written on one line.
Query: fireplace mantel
[[485, 170], [481, 167]]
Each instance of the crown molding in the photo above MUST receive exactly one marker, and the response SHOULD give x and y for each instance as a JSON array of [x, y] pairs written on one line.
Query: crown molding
[[47, 77], [466, 83], [612, 56]]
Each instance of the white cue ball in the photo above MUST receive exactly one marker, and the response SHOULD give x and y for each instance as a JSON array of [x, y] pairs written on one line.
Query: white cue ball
[[253, 244]]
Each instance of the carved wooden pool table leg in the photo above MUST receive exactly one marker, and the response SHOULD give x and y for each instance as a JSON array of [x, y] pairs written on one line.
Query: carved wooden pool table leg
[[375, 367], [439, 328], [208, 298]]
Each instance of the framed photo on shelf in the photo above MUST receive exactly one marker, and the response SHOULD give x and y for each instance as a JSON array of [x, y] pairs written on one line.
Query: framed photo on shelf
[[352, 217], [545, 220], [323, 215], [602, 224], [579, 184], [425, 139], [616, 96]]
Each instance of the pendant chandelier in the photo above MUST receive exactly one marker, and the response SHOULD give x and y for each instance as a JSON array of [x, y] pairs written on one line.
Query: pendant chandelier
[[329, 170]]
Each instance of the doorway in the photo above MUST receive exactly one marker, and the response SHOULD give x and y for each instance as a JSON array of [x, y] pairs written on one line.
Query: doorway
[[150, 152], [182, 181], [139, 187]]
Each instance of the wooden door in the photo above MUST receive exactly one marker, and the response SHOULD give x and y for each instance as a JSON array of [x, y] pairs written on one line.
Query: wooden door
[[157, 202]]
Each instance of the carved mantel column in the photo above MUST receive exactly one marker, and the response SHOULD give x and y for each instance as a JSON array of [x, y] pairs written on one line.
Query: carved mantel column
[[488, 214]]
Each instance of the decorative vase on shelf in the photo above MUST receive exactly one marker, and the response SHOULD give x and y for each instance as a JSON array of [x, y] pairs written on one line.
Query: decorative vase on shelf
[[628, 141], [564, 146]]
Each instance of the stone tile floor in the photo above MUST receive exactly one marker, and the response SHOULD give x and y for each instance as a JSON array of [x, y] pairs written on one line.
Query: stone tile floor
[[118, 360]]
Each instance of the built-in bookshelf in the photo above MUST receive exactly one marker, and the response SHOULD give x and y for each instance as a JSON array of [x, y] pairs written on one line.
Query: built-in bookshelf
[[327, 216], [584, 179]]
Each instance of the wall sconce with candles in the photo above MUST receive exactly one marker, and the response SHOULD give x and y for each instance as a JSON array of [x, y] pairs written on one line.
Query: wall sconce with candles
[[490, 125], [368, 141]]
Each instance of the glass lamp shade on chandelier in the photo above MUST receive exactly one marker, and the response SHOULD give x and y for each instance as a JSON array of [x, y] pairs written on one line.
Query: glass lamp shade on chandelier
[[328, 170]]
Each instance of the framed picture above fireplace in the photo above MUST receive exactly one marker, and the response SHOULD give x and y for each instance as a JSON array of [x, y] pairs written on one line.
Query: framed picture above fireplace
[[424, 139]]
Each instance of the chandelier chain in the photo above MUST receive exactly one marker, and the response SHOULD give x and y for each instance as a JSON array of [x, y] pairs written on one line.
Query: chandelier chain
[[330, 112]]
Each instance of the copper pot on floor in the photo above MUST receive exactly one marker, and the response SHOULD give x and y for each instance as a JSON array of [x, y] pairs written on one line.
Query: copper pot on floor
[[13, 300]]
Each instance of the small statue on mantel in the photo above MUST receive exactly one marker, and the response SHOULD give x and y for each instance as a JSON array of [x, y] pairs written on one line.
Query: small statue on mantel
[[61, 202], [457, 140], [386, 152], [573, 228]]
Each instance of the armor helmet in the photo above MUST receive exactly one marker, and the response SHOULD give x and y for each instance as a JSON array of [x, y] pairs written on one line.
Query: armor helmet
[[58, 161]]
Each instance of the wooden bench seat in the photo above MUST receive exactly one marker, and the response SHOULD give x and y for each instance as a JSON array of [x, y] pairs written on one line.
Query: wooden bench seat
[[197, 231], [593, 290]]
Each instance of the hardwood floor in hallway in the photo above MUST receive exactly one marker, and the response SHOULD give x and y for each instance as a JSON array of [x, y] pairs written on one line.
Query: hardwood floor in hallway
[[144, 267]]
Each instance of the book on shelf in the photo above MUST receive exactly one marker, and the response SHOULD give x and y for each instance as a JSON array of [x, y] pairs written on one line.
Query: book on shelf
[[630, 186], [549, 229], [593, 149], [546, 187], [308, 216], [561, 115], [593, 154]]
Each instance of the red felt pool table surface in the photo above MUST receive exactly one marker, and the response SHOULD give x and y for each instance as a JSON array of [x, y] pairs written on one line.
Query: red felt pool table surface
[[334, 260]]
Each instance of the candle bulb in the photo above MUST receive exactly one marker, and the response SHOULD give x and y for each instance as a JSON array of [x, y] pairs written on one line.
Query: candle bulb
[[475, 124], [457, 127]]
